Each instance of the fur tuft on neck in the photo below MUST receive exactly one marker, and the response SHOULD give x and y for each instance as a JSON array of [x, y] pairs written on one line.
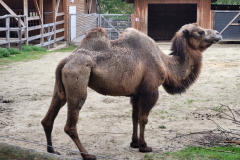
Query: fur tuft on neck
[[179, 48]]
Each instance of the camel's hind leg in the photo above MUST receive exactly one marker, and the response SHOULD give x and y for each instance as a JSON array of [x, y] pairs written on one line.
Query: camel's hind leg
[[58, 100], [75, 81]]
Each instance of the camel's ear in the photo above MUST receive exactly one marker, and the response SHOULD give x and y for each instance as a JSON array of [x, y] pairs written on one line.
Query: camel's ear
[[186, 32]]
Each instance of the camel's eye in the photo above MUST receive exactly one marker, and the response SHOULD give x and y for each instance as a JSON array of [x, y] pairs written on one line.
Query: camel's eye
[[202, 33]]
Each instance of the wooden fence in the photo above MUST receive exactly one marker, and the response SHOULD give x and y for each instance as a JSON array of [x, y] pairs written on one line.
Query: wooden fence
[[20, 29], [47, 31]]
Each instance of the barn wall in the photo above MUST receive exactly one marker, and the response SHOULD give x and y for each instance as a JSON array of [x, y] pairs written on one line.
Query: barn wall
[[80, 5], [141, 11]]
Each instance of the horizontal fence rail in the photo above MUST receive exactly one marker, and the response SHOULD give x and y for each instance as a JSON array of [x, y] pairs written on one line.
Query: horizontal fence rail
[[20, 29]]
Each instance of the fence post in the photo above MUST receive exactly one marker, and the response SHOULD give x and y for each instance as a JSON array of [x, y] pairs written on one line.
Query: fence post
[[20, 33], [49, 37], [26, 29], [69, 27], [99, 20], [8, 32]]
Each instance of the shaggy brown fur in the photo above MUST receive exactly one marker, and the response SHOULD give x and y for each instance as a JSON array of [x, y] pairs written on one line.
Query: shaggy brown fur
[[132, 65]]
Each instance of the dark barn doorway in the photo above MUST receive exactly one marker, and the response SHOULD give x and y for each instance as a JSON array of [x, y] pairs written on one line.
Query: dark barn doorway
[[164, 20]]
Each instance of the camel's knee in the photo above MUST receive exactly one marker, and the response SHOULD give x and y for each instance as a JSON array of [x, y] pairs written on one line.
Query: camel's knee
[[47, 125], [72, 132], [143, 121]]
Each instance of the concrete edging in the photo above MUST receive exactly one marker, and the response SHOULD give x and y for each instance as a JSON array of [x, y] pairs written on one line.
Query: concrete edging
[[14, 152]]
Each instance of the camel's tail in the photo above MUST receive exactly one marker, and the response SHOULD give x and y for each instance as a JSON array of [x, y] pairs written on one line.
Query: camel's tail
[[59, 84]]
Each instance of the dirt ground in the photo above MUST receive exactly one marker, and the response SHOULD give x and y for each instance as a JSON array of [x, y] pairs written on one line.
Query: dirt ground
[[105, 124]]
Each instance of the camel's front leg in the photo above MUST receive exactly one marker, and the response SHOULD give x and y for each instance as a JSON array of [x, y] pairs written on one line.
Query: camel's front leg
[[147, 101], [75, 80], [143, 119], [134, 101]]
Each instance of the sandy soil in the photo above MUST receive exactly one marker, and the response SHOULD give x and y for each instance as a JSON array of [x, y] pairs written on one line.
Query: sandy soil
[[105, 124]]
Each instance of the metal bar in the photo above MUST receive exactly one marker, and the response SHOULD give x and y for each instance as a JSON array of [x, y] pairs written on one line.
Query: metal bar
[[110, 25], [230, 23], [85, 27]]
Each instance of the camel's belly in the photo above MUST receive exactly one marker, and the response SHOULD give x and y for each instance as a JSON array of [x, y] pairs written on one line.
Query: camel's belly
[[115, 83]]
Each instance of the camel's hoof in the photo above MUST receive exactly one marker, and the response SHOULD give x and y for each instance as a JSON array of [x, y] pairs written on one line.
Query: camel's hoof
[[89, 157], [134, 145], [145, 149], [56, 153]]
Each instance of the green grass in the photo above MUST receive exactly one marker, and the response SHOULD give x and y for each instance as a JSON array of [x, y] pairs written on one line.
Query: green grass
[[162, 127], [198, 153], [29, 53]]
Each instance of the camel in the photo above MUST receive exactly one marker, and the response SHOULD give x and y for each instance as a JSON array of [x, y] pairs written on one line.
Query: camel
[[133, 66]]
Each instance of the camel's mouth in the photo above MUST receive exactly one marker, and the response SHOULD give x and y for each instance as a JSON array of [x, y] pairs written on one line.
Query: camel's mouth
[[217, 39]]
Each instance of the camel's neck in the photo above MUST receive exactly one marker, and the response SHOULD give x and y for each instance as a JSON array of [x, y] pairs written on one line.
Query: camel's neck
[[183, 69]]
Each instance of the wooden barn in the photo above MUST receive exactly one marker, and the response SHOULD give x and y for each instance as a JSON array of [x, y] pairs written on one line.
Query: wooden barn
[[45, 21], [160, 19]]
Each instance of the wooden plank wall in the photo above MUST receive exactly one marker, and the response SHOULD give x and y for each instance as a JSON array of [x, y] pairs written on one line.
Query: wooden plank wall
[[80, 5], [48, 18], [141, 11]]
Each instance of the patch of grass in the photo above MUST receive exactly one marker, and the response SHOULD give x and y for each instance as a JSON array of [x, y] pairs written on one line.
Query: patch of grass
[[129, 111], [79, 119], [29, 53], [190, 101], [68, 49], [30, 48], [162, 117], [162, 127], [218, 109], [24, 56], [163, 112], [199, 153]]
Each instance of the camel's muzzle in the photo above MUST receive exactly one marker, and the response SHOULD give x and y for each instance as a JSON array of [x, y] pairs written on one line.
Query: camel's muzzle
[[217, 37]]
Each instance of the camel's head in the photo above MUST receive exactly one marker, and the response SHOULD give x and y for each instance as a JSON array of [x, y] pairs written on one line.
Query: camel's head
[[191, 36], [199, 38]]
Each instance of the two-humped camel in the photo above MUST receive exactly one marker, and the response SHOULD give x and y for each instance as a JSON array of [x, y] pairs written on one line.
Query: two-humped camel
[[131, 65]]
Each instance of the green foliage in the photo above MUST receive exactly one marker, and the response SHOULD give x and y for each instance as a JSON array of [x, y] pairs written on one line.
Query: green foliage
[[162, 127], [30, 48], [199, 153], [115, 7], [69, 49], [227, 2], [4, 52], [13, 51]]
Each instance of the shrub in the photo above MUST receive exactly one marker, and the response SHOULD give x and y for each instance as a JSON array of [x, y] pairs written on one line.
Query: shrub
[[27, 48], [30, 48], [42, 49], [4, 52], [13, 51]]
